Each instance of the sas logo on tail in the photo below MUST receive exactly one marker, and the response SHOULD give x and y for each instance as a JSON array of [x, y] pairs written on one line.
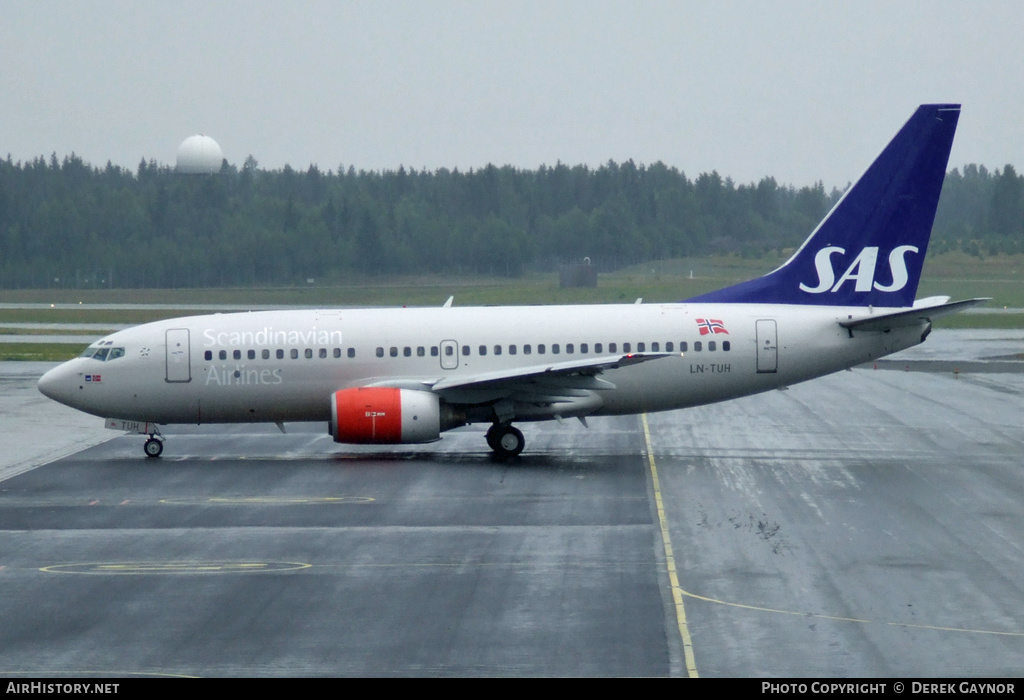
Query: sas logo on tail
[[861, 271]]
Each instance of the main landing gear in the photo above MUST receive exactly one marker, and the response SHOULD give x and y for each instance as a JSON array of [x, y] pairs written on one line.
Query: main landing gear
[[506, 441], [154, 445]]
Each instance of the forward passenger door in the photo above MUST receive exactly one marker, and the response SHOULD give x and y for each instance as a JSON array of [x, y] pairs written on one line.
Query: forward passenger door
[[179, 367]]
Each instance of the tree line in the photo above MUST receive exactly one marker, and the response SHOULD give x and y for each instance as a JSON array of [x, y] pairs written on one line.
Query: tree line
[[64, 223]]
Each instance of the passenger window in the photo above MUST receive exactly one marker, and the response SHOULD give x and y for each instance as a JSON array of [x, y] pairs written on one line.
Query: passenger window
[[611, 347], [351, 352], [393, 351], [540, 348], [599, 348], [668, 346], [294, 353], [407, 351], [434, 351], [511, 349], [421, 351], [583, 348], [641, 347], [483, 349], [712, 346], [280, 354], [223, 354], [527, 349], [654, 346], [265, 354], [554, 349], [323, 353], [206, 355], [380, 351], [568, 348], [726, 346], [497, 349], [697, 346], [465, 350], [626, 347], [682, 346]]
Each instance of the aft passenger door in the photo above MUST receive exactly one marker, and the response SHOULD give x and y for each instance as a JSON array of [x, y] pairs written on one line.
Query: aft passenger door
[[449, 354], [767, 347]]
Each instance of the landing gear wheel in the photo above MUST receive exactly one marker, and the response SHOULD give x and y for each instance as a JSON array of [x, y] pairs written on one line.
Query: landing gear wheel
[[153, 447], [506, 441], [493, 433]]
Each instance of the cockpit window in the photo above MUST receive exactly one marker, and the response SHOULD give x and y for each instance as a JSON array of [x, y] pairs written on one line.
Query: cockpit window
[[103, 354]]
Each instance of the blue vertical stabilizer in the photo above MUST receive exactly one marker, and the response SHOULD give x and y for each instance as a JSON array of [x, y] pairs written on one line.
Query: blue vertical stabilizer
[[870, 249]]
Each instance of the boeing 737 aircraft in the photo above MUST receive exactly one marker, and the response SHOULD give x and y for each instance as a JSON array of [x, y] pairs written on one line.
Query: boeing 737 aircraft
[[847, 296]]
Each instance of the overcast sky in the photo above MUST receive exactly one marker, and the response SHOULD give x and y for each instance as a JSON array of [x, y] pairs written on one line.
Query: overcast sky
[[800, 90]]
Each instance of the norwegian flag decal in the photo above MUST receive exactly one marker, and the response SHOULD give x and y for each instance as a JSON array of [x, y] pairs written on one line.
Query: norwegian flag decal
[[711, 326]]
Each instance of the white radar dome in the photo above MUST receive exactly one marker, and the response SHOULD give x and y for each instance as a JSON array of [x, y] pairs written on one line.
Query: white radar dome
[[199, 155]]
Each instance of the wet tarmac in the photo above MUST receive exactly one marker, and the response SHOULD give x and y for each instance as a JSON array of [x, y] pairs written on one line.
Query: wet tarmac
[[867, 524]]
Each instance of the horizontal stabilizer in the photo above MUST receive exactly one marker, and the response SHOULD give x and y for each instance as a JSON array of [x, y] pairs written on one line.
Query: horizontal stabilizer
[[909, 317]]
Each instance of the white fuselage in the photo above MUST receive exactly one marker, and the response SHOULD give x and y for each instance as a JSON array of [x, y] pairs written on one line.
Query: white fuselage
[[276, 366]]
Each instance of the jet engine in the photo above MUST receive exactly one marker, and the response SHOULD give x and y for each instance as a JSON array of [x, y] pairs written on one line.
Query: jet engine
[[383, 415]]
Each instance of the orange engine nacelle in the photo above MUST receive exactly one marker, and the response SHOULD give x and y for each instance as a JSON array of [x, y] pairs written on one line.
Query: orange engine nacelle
[[380, 415]]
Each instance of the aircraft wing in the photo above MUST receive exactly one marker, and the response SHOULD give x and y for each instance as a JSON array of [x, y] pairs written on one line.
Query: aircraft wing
[[925, 310], [572, 382], [564, 370]]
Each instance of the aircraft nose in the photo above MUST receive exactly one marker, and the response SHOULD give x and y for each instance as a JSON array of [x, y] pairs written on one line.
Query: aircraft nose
[[57, 384]]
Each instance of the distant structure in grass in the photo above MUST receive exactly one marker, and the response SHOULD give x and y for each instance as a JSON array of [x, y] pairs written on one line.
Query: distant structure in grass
[[577, 275], [199, 155]]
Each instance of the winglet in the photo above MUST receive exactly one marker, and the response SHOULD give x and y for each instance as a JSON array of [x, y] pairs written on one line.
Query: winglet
[[869, 250]]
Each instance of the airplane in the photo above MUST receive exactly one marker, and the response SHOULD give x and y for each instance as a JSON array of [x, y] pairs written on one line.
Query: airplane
[[406, 375]]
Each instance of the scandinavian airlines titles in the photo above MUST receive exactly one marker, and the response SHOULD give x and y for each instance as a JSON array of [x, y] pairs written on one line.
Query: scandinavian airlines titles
[[268, 336], [239, 375]]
